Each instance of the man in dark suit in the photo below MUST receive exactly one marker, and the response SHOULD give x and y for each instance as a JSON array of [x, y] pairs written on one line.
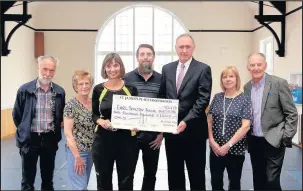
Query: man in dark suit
[[189, 81], [274, 125]]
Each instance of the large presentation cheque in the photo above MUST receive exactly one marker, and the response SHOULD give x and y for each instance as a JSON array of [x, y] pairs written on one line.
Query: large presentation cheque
[[145, 114]]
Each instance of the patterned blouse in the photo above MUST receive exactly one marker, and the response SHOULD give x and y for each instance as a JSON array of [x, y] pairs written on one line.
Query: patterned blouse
[[236, 109], [83, 128]]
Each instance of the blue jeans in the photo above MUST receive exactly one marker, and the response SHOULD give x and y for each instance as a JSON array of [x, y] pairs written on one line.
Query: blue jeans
[[78, 182]]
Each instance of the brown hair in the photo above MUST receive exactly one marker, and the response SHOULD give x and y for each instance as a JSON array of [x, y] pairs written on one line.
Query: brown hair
[[109, 58], [228, 70], [145, 46], [79, 75]]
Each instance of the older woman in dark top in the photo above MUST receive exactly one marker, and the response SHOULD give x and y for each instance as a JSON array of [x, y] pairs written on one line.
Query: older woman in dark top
[[228, 122], [112, 145], [79, 131]]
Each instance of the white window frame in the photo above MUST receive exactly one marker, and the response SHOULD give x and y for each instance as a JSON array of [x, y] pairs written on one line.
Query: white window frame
[[263, 44], [172, 53]]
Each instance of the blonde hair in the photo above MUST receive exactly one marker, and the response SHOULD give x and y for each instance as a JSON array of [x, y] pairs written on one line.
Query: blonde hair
[[110, 58], [79, 75], [228, 70]]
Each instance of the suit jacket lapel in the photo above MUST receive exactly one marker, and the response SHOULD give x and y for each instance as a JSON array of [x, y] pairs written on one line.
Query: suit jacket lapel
[[188, 74], [265, 92], [173, 76], [248, 89]]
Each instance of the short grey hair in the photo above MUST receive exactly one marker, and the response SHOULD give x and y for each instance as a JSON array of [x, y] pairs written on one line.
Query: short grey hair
[[257, 53], [185, 35], [47, 57]]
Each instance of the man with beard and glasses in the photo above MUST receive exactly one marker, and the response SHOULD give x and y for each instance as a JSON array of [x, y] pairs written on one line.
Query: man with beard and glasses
[[37, 114], [147, 81]]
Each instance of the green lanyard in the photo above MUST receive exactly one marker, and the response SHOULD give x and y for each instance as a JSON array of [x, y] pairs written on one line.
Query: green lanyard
[[103, 93]]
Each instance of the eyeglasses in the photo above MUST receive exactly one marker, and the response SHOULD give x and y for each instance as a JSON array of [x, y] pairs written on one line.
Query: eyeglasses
[[83, 84]]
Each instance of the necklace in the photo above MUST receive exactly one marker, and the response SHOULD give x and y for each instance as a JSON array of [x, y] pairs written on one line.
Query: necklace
[[225, 112]]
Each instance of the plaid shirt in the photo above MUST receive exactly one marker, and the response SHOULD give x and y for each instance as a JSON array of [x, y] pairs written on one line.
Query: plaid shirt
[[43, 120]]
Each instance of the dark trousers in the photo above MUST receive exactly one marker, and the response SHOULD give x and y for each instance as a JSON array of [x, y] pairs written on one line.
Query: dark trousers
[[150, 158], [233, 165], [112, 147], [266, 162], [45, 146], [192, 152]]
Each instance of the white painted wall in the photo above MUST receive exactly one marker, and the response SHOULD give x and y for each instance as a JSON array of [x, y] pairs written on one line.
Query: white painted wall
[[292, 62], [19, 66], [76, 49]]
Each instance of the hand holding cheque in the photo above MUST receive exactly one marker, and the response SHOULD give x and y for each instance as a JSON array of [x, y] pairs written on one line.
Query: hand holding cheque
[[106, 124], [146, 114]]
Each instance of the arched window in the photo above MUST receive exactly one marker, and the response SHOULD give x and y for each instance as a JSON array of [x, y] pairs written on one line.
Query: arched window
[[132, 26]]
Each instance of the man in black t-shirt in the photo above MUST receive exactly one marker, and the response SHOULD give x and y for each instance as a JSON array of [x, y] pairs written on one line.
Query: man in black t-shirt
[[147, 81]]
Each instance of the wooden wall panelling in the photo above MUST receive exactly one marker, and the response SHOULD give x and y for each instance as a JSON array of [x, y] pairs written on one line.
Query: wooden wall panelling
[[7, 124]]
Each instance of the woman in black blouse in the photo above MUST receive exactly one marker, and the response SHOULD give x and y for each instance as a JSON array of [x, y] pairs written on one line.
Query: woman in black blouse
[[112, 145], [228, 122]]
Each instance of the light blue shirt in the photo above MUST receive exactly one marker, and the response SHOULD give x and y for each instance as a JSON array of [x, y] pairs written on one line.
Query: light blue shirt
[[256, 100]]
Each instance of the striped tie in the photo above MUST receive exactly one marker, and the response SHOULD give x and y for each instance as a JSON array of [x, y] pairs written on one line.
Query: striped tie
[[180, 77]]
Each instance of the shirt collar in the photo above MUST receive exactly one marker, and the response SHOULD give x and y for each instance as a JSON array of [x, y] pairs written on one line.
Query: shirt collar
[[260, 83], [186, 64]]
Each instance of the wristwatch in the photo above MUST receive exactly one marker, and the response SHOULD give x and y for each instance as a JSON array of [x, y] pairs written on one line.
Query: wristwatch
[[230, 145]]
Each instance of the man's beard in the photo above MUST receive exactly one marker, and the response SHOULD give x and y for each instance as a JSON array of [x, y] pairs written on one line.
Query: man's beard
[[45, 81], [146, 68]]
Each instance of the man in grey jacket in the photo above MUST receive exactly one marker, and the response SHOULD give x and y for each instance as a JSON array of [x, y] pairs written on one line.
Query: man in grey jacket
[[274, 124]]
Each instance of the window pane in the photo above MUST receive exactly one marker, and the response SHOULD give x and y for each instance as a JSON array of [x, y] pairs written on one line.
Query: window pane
[[269, 58], [126, 59], [99, 61], [178, 30], [269, 53], [175, 58], [124, 31], [143, 25], [266, 47], [163, 31], [269, 72], [106, 40], [128, 62], [160, 61]]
